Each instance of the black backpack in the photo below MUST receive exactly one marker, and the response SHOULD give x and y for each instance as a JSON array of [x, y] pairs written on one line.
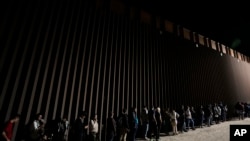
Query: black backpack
[[120, 121]]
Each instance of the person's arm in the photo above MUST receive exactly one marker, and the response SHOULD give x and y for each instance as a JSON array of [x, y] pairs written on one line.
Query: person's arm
[[5, 136], [177, 115]]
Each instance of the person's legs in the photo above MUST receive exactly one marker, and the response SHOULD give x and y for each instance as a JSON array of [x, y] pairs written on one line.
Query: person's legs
[[123, 136], [208, 121], [184, 128], [157, 132], [145, 130], [151, 129], [146, 133], [135, 132], [173, 128], [188, 123], [192, 124], [168, 127]]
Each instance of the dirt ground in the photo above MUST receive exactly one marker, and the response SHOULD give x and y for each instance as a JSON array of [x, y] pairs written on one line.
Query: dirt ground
[[217, 132]]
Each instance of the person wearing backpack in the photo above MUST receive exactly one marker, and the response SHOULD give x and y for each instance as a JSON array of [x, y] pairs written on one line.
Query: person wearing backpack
[[122, 125]]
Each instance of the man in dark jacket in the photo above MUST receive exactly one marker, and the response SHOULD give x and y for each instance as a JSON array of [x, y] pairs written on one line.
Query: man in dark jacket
[[111, 127], [81, 126]]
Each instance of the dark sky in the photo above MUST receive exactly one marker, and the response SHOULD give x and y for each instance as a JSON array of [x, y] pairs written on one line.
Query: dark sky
[[229, 23]]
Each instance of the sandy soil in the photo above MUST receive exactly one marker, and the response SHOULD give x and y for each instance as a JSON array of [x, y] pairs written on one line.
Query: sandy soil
[[217, 132]]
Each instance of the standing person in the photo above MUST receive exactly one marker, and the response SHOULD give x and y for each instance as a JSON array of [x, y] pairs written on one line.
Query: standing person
[[133, 123], [57, 129], [182, 119], [122, 125], [7, 132], [221, 105], [93, 128], [166, 119], [201, 116], [36, 129], [194, 115], [242, 111], [208, 115], [65, 123], [152, 123], [144, 122], [158, 118], [225, 113], [189, 118], [173, 119], [111, 127], [217, 113], [80, 127], [61, 126]]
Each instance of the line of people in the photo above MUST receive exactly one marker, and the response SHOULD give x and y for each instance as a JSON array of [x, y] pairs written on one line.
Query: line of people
[[154, 121], [126, 126], [242, 110]]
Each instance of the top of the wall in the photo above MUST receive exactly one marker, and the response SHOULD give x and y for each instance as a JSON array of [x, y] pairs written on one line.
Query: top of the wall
[[119, 7]]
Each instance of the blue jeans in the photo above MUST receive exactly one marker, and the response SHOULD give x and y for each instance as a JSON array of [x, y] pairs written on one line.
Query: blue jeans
[[190, 121]]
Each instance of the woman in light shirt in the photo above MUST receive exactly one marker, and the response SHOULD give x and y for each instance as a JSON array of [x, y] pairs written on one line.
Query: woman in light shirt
[[93, 128]]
